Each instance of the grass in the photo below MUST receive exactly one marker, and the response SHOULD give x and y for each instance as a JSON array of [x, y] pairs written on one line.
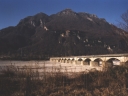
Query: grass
[[26, 82]]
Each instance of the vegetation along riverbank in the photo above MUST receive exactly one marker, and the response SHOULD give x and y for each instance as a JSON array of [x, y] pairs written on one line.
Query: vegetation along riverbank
[[110, 82]]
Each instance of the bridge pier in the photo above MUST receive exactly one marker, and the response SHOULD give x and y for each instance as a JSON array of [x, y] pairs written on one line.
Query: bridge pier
[[70, 61], [60, 60], [51, 59], [107, 64], [122, 63], [74, 62], [63, 61], [94, 64], [78, 62], [57, 60], [84, 63]]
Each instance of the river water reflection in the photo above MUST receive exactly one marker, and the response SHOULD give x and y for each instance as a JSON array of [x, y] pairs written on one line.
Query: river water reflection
[[23, 63], [46, 66]]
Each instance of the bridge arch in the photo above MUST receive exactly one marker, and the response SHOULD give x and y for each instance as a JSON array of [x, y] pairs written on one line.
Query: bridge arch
[[71, 60], [113, 58], [114, 61], [67, 60], [111, 62], [126, 63], [63, 60], [59, 60], [86, 61], [80, 59], [99, 61]]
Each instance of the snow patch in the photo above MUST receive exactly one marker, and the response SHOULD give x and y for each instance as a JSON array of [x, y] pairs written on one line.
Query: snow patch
[[89, 19], [45, 28], [86, 40], [109, 48], [62, 34], [32, 23], [40, 21], [99, 41], [78, 37]]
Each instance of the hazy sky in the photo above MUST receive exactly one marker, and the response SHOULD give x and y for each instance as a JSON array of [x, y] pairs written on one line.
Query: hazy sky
[[12, 11]]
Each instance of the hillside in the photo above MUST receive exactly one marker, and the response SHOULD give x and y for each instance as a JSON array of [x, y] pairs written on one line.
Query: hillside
[[65, 33]]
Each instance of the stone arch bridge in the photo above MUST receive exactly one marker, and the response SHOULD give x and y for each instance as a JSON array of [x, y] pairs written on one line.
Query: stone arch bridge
[[94, 60]]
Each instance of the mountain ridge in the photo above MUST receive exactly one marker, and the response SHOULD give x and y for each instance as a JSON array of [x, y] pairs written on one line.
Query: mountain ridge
[[65, 33]]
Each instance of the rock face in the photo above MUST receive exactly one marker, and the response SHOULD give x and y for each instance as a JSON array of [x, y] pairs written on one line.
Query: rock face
[[65, 33]]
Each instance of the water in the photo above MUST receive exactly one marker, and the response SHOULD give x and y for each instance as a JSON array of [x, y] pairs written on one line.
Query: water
[[47, 66], [22, 63]]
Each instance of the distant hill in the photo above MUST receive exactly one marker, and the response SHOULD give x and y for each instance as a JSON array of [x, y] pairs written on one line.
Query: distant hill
[[65, 33]]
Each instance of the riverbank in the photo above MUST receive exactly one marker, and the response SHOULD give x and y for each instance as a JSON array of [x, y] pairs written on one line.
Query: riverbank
[[111, 82]]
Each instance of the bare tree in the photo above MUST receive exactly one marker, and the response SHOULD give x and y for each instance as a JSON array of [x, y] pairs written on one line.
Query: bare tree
[[124, 24]]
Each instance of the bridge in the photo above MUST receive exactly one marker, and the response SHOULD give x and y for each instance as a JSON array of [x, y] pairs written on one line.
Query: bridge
[[94, 60]]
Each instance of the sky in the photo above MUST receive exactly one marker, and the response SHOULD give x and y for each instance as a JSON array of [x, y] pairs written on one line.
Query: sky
[[12, 11]]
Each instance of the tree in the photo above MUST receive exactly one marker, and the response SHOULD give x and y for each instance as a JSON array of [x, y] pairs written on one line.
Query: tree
[[124, 24]]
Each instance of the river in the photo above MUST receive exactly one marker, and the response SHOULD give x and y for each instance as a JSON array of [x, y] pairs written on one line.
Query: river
[[46, 66]]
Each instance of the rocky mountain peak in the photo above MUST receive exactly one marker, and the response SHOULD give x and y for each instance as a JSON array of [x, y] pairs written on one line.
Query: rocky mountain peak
[[66, 33], [66, 12]]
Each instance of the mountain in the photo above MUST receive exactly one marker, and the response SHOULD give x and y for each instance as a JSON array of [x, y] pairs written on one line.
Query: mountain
[[65, 33]]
